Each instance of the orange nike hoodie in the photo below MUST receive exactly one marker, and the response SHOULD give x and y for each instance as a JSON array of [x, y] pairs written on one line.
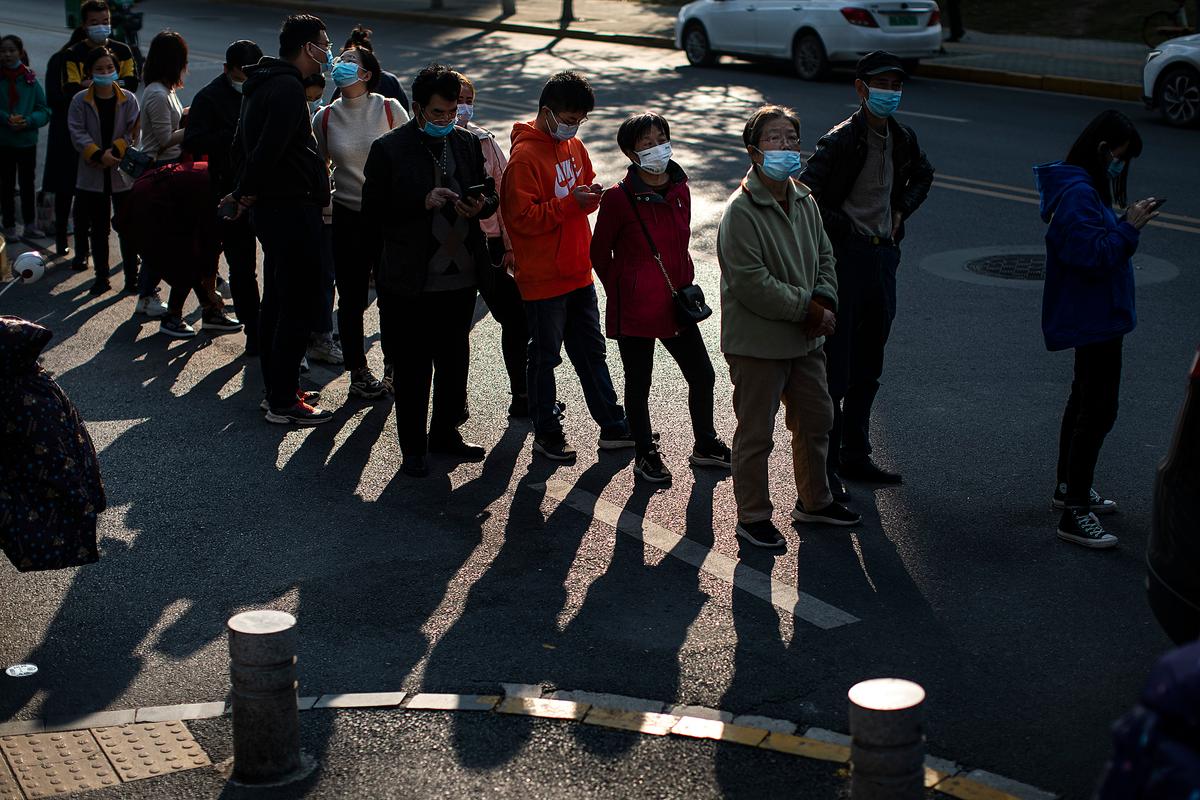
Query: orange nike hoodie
[[550, 234]]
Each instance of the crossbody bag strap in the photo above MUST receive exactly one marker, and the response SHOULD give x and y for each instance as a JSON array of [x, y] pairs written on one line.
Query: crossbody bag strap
[[646, 232]]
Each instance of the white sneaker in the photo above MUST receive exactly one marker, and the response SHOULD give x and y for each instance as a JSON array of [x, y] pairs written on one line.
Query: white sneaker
[[151, 306], [326, 351]]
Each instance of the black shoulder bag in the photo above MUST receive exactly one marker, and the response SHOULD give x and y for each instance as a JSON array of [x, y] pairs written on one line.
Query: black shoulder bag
[[690, 307]]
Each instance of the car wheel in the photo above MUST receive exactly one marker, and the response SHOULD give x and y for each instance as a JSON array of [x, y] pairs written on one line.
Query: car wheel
[[808, 57], [1179, 96], [696, 46]]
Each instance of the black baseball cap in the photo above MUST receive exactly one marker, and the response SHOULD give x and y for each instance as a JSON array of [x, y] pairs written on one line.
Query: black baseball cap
[[877, 63]]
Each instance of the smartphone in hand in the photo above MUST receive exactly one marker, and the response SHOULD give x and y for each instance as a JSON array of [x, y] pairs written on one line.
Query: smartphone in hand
[[1158, 201]]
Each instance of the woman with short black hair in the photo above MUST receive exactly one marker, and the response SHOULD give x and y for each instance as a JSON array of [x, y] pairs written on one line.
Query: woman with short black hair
[[1088, 303], [640, 252]]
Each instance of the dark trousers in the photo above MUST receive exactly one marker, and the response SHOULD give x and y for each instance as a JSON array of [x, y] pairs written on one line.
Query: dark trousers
[[63, 206], [17, 167], [1090, 414], [291, 241], [504, 302], [689, 352], [324, 320], [866, 276], [100, 209], [433, 350], [571, 320], [241, 254], [353, 265]]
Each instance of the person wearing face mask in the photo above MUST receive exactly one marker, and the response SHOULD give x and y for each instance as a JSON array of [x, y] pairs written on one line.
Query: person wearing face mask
[[388, 84], [869, 176], [640, 253], [212, 123], [284, 184], [424, 192], [23, 111], [103, 121], [58, 173], [548, 192], [779, 295], [1088, 303], [496, 285], [345, 130], [97, 27]]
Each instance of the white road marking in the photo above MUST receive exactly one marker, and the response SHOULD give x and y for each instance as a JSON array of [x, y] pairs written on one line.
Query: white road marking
[[785, 597]]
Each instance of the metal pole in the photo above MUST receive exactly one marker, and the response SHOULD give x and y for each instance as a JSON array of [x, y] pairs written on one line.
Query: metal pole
[[266, 721], [887, 731]]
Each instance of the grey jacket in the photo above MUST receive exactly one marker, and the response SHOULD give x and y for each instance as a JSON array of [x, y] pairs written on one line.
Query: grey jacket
[[83, 122]]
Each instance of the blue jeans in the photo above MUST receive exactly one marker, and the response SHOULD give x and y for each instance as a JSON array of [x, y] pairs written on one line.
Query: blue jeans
[[573, 320]]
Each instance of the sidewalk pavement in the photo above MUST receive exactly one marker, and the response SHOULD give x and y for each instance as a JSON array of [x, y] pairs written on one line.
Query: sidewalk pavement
[[392, 744], [1077, 66]]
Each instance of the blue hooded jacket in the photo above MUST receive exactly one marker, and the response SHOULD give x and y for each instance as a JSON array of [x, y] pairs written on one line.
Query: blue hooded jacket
[[1088, 296]]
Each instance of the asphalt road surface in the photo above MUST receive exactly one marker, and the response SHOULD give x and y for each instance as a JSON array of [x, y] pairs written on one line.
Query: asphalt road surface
[[512, 571]]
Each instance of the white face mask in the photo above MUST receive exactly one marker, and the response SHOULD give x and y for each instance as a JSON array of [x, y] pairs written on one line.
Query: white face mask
[[655, 159]]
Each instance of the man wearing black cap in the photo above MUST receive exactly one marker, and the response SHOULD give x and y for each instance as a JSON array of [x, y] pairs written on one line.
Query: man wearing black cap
[[869, 175]]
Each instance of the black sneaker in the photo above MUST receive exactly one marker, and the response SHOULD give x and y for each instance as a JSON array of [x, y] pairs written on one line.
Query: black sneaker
[[364, 384], [452, 444], [219, 322], [1099, 505], [415, 466], [650, 467], [833, 514], [79, 264], [389, 378], [312, 398], [301, 414], [712, 454], [616, 439], [762, 534], [99, 286], [1080, 526], [175, 327], [868, 471], [554, 447]]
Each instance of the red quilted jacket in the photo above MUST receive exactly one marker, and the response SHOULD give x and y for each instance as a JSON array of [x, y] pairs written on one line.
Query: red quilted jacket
[[639, 301]]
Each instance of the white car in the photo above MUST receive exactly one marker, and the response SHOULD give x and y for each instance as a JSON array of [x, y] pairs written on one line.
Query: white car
[[814, 34], [1171, 80]]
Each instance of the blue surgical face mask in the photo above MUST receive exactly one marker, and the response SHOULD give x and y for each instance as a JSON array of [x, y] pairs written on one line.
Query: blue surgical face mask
[[779, 165], [1115, 168], [438, 131], [562, 132], [99, 33], [106, 79], [345, 73], [466, 113], [883, 102], [327, 64]]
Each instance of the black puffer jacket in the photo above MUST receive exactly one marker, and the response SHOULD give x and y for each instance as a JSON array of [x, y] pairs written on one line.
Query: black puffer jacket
[[275, 142], [400, 172], [839, 158], [50, 488]]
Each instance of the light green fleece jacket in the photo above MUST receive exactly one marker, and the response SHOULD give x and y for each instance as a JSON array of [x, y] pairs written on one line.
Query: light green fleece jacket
[[772, 263]]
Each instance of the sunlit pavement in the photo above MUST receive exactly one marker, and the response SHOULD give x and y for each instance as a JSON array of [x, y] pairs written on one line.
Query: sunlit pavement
[[516, 570]]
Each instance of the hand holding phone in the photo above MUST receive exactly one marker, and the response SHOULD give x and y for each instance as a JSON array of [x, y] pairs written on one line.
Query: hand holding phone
[[1156, 202]]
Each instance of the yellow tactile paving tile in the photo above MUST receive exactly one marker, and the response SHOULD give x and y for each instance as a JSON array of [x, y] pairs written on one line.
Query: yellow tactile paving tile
[[807, 748], [698, 728], [636, 721], [967, 789], [539, 707]]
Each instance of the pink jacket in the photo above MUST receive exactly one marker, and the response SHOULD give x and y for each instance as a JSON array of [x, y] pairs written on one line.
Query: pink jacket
[[639, 300]]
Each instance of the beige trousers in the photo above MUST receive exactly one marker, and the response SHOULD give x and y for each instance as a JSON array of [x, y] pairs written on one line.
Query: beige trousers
[[759, 384]]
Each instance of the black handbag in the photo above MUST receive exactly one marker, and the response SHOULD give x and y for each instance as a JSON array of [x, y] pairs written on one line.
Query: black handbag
[[135, 162], [690, 306]]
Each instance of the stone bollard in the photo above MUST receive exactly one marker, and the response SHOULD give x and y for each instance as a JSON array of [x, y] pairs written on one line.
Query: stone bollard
[[266, 720], [887, 749]]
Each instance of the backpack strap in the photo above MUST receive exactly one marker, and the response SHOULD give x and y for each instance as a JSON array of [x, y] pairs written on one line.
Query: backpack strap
[[387, 109], [325, 124]]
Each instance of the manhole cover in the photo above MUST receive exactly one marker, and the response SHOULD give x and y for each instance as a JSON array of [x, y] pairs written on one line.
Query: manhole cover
[[1013, 266]]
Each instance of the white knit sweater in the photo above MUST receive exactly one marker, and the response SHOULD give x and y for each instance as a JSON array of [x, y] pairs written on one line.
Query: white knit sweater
[[345, 130]]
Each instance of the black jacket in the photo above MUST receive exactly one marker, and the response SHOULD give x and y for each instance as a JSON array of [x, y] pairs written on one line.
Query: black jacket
[[62, 161], [275, 142], [399, 174], [839, 158], [211, 125]]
